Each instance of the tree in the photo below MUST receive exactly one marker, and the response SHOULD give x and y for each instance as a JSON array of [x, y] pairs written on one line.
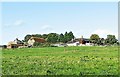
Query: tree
[[71, 36], [37, 44], [52, 38], [94, 38], [101, 41], [37, 35], [44, 36], [68, 36], [111, 39], [61, 38], [27, 37], [65, 37]]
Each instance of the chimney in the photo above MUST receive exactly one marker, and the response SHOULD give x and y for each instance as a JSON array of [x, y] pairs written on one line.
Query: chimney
[[81, 36]]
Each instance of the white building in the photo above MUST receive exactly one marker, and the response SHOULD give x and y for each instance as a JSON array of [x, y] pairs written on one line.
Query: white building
[[32, 40], [73, 44]]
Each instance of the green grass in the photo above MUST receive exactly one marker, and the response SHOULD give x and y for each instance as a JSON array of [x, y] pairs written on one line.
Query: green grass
[[60, 61]]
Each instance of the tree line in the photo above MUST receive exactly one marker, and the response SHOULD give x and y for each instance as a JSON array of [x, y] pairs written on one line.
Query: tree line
[[68, 36], [110, 40], [53, 37]]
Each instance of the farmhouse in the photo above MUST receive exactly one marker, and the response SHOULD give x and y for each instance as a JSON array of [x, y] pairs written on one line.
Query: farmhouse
[[15, 44], [32, 40], [79, 42]]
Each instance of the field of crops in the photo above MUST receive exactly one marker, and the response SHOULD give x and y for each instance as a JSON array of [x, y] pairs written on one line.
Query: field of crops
[[60, 61]]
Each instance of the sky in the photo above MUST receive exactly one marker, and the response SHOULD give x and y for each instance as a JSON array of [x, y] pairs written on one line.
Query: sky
[[82, 18], [60, 0]]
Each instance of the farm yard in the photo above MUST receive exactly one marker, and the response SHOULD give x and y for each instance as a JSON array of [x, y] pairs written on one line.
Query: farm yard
[[84, 60]]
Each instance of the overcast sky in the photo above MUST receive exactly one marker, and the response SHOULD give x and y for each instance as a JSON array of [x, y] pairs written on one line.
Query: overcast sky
[[82, 18]]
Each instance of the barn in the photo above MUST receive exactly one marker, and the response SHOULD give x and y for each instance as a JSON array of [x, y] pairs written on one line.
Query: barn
[[32, 40]]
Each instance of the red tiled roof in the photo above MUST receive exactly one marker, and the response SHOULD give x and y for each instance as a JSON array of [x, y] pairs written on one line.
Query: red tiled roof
[[37, 39]]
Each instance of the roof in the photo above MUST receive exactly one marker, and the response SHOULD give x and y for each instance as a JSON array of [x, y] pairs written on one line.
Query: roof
[[86, 39], [11, 42], [37, 39]]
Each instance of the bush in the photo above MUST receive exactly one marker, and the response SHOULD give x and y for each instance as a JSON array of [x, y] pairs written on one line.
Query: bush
[[37, 44]]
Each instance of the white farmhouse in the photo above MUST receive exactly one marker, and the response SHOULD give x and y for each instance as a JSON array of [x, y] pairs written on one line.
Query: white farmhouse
[[32, 40]]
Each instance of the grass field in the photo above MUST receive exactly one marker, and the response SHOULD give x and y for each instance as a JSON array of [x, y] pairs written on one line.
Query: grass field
[[60, 61]]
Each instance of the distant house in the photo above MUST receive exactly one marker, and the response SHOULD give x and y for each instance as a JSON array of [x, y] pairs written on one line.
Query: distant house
[[32, 40], [84, 41], [73, 44], [59, 45], [14, 44]]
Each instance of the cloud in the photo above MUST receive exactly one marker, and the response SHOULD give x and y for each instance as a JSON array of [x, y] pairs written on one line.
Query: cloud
[[46, 27], [18, 23], [15, 23], [104, 33]]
